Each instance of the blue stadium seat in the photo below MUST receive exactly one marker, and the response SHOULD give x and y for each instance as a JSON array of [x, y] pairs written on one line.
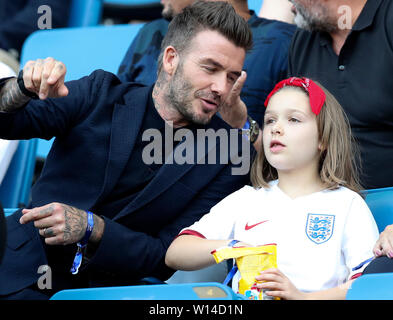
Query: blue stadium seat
[[9, 211], [15, 188], [377, 286], [380, 202], [85, 13], [82, 50], [189, 291]]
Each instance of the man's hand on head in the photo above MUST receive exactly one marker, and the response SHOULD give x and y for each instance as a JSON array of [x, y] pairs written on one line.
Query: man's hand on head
[[233, 110]]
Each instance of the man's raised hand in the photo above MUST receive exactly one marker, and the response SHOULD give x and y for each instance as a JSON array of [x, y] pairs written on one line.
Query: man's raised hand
[[45, 78], [233, 110]]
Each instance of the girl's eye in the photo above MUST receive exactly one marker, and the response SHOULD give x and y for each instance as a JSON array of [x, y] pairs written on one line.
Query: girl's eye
[[269, 121], [294, 120]]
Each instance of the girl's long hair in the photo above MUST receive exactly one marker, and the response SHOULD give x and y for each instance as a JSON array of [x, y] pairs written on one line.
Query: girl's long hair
[[339, 156]]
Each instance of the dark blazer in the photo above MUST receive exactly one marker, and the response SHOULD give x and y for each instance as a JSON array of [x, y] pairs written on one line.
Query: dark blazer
[[95, 127]]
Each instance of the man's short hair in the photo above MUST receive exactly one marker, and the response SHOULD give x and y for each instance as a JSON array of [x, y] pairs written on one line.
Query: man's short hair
[[217, 16]]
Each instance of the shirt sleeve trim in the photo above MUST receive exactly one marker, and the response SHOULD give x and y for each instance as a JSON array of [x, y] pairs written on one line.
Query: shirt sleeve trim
[[356, 275], [191, 233]]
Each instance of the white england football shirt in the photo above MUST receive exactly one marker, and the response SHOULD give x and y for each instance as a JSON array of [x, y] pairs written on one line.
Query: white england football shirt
[[320, 237]]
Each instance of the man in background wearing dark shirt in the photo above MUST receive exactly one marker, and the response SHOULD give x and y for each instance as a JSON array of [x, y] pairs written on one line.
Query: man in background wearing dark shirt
[[348, 47], [356, 66]]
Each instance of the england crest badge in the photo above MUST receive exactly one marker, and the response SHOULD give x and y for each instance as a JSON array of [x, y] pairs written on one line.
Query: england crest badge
[[319, 227]]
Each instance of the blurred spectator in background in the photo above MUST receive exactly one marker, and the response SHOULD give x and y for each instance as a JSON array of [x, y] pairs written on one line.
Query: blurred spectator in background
[[140, 61], [20, 18], [121, 12], [347, 47], [265, 64], [277, 10]]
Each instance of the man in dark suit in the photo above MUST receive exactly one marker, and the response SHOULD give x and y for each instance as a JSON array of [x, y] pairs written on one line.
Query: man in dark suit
[[101, 204]]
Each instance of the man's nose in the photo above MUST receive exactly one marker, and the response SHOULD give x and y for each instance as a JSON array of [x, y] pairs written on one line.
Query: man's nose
[[219, 84]]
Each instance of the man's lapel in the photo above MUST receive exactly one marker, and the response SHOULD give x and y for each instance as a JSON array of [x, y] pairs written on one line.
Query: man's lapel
[[126, 123]]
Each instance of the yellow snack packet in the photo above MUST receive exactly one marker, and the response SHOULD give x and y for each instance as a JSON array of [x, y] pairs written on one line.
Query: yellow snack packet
[[250, 261]]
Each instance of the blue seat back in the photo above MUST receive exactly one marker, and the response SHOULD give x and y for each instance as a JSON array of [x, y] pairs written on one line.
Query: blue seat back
[[15, 187], [85, 13], [9, 211], [380, 202], [188, 291], [377, 286], [82, 50]]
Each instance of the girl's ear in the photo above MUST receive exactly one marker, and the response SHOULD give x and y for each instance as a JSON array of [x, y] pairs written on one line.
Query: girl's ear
[[321, 146], [170, 60]]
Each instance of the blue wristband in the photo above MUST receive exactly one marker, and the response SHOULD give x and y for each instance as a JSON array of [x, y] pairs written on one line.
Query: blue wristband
[[78, 256], [234, 269], [89, 229], [230, 275], [362, 264], [232, 243]]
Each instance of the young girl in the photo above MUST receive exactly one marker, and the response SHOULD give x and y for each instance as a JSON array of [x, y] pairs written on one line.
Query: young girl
[[304, 198]]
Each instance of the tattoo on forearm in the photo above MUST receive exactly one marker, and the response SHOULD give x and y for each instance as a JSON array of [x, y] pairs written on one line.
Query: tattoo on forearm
[[11, 98]]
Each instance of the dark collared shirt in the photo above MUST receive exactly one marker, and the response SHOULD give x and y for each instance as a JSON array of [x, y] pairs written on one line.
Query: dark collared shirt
[[361, 79]]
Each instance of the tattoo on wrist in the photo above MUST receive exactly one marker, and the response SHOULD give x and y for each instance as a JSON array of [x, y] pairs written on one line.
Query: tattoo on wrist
[[11, 98]]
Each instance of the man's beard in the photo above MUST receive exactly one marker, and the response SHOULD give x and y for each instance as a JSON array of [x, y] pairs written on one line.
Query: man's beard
[[313, 20], [168, 12], [180, 96]]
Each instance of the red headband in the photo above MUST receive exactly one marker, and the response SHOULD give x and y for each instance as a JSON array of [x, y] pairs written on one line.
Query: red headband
[[316, 94]]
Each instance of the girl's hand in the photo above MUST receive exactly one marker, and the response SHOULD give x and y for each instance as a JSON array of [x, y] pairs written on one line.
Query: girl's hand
[[278, 285], [384, 245]]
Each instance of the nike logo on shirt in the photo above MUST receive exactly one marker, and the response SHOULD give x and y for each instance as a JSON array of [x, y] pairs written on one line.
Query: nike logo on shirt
[[247, 227]]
